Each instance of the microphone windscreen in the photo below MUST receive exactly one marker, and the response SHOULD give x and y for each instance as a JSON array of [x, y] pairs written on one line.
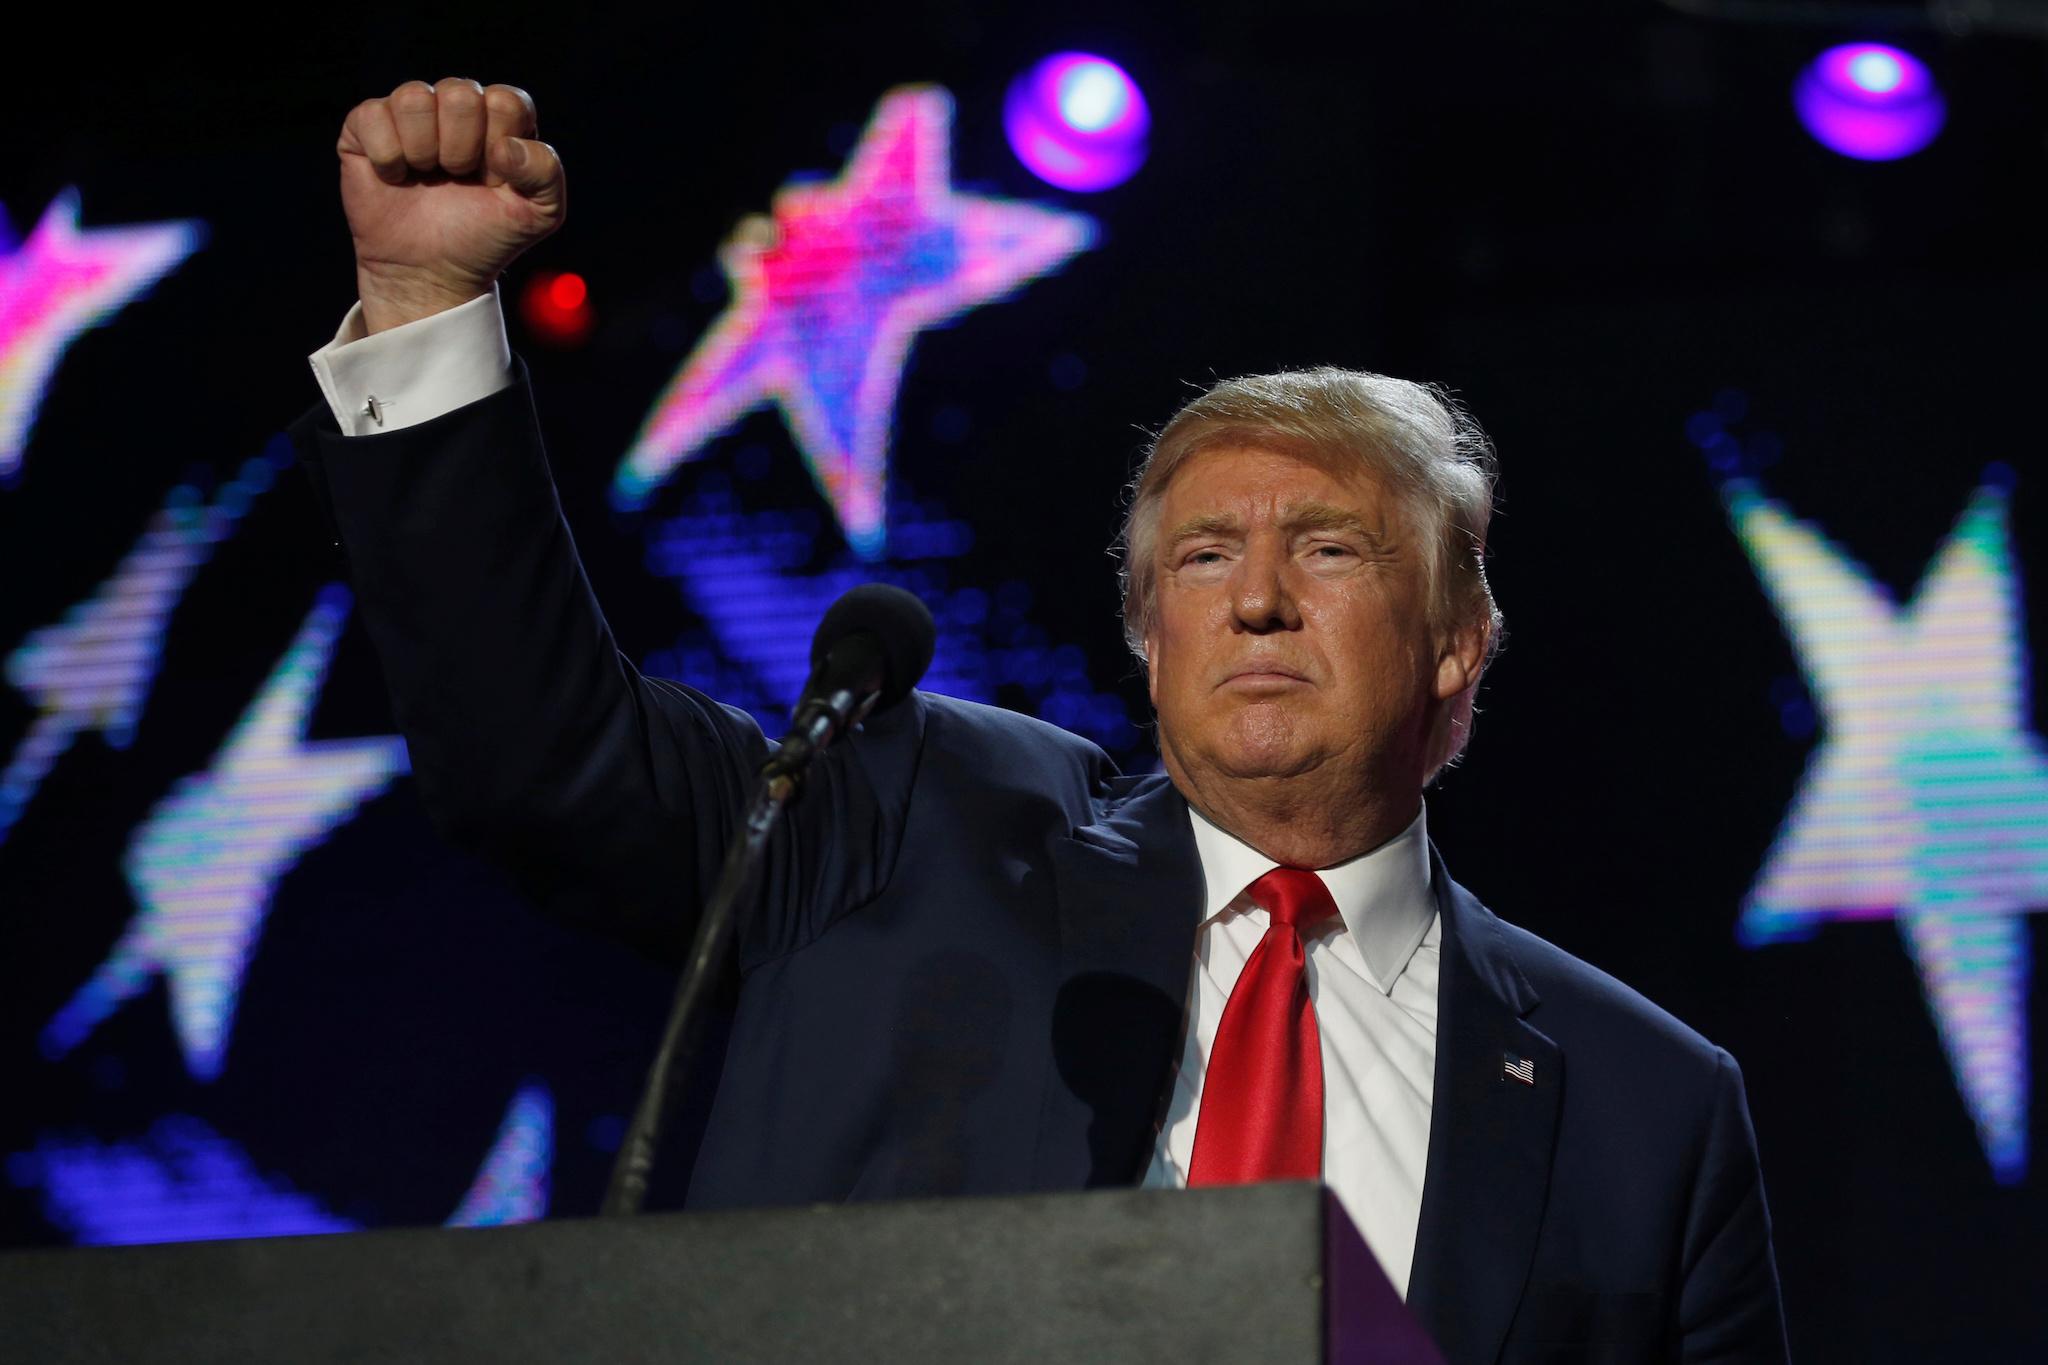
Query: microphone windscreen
[[900, 623]]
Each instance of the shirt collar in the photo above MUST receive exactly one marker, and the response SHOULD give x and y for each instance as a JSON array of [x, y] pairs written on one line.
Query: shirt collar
[[1383, 896]]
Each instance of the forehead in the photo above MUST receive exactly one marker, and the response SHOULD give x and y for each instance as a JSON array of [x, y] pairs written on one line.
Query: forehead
[[1258, 482]]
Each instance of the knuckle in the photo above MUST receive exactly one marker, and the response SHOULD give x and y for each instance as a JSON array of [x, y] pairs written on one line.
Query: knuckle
[[459, 92], [413, 97], [508, 99], [363, 118]]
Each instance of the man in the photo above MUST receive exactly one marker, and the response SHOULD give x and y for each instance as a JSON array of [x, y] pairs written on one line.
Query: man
[[983, 961]]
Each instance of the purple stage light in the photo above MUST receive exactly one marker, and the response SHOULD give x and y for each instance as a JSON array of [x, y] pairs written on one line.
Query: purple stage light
[[1077, 121], [1869, 101]]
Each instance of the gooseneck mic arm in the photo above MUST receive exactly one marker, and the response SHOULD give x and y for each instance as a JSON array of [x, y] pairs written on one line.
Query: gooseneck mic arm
[[870, 650]]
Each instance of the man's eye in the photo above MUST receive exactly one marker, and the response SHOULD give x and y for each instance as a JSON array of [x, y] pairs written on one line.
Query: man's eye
[[1332, 550], [1205, 557]]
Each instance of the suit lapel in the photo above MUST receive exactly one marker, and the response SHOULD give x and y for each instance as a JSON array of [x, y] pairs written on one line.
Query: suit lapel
[[1490, 1136], [1130, 893]]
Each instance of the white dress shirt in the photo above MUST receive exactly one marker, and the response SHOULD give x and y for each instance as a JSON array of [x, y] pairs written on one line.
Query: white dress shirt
[[1372, 973], [1372, 968]]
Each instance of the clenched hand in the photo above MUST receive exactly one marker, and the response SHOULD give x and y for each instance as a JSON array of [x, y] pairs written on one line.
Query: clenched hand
[[444, 186]]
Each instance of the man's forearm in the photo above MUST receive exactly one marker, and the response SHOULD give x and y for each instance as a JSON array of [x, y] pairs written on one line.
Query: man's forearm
[[534, 741]]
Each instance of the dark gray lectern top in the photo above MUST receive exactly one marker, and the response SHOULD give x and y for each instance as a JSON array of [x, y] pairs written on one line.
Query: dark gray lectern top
[[1263, 1273]]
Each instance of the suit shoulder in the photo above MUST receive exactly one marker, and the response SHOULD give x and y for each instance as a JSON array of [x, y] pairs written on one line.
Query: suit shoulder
[[1000, 734], [1598, 1009]]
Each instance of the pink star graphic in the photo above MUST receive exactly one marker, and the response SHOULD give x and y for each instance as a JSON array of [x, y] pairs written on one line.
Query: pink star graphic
[[57, 284], [827, 297]]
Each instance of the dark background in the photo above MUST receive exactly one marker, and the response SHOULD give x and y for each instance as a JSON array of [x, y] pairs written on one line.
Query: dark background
[[1588, 223]]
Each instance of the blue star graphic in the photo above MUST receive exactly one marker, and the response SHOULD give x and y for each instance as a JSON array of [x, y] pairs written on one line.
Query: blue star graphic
[[183, 1181]]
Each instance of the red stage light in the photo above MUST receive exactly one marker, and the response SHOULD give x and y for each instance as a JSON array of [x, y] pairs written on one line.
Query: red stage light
[[555, 305], [568, 291]]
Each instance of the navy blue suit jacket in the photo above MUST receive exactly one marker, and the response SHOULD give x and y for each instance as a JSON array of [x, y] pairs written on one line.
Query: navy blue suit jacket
[[967, 970]]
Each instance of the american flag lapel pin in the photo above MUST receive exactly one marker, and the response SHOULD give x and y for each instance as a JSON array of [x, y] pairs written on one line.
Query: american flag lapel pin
[[1515, 1068]]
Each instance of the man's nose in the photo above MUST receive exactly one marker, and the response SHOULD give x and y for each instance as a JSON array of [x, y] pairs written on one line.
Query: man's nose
[[1261, 599]]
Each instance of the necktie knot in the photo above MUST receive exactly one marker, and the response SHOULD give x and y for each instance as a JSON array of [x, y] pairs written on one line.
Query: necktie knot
[[1293, 897]]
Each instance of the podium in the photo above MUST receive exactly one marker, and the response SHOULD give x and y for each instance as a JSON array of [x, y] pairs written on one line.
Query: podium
[[1268, 1273]]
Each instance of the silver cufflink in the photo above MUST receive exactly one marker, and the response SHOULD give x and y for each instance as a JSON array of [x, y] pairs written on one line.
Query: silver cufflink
[[374, 410]]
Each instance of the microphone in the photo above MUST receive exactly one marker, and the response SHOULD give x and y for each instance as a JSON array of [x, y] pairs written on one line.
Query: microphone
[[870, 650], [874, 644]]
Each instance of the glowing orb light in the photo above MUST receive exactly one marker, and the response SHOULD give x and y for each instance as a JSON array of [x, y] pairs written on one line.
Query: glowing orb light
[[1869, 101], [556, 307], [1077, 121]]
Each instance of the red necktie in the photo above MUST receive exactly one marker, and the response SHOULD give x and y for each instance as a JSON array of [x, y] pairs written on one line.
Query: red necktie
[[1262, 1096]]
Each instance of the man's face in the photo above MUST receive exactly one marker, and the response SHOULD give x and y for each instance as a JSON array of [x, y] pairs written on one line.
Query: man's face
[[1291, 628]]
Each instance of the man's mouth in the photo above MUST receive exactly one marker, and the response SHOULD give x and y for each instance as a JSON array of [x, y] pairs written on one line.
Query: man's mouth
[[1269, 673]]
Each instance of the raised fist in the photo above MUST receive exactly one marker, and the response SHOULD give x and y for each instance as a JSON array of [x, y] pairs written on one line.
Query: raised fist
[[444, 185]]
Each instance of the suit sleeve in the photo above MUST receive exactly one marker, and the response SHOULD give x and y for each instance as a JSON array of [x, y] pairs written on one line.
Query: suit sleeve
[[1729, 1307], [609, 796]]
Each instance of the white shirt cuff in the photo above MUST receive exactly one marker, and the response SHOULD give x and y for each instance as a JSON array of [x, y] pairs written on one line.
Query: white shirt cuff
[[415, 372]]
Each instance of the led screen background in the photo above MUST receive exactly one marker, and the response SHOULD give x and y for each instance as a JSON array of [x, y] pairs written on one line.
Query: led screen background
[[1707, 347]]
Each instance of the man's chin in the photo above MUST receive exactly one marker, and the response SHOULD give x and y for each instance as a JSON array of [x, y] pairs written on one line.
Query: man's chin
[[1253, 759], [1264, 768], [1258, 743]]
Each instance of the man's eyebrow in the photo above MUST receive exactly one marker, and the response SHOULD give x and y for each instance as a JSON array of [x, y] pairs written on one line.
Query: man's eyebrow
[[1307, 516], [1208, 524], [1321, 516]]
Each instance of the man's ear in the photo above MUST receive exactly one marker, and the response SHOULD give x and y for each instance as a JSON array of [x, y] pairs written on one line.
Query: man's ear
[[1152, 665], [1461, 655]]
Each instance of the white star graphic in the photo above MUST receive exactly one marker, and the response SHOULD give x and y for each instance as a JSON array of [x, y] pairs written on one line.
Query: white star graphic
[[206, 862], [1927, 800], [92, 670]]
